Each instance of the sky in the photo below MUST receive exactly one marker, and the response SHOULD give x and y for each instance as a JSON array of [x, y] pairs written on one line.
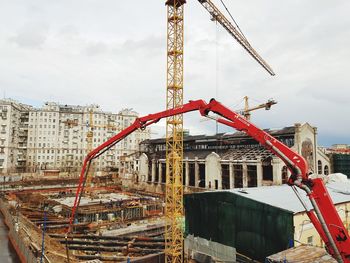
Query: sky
[[113, 53]]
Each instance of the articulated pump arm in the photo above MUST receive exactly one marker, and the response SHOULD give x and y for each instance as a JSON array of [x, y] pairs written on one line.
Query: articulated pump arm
[[324, 216], [139, 123]]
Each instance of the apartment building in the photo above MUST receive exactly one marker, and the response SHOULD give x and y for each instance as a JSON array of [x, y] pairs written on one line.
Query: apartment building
[[13, 136], [59, 136]]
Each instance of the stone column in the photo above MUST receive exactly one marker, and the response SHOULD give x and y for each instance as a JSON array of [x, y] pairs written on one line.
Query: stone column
[[232, 175], [160, 172], [245, 172], [196, 172], [259, 172], [153, 170], [276, 171], [187, 173]]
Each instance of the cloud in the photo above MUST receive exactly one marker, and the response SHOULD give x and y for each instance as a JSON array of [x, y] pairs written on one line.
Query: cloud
[[96, 48], [31, 35], [114, 54]]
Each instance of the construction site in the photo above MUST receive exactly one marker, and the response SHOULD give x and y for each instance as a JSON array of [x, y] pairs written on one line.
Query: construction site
[[84, 184]]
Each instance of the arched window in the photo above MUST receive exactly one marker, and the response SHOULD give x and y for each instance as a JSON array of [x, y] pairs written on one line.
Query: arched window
[[326, 170], [284, 175], [319, 167]]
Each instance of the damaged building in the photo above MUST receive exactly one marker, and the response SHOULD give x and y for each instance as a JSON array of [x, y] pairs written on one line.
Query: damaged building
[[233, 160]]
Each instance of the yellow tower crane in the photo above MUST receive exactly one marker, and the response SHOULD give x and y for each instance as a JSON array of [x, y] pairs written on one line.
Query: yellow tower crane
[[174, 124], [247, 110]]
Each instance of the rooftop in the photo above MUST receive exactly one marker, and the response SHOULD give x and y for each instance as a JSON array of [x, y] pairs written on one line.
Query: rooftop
[[227, 136], [283, 196]]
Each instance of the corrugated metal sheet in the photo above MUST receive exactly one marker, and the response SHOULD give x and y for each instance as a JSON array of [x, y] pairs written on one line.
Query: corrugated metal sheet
[[283, 197]]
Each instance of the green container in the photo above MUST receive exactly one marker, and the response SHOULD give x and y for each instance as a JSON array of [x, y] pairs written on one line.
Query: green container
[[255, 229]]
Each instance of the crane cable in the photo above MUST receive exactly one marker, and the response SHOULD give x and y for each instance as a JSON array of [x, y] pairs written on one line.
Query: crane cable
[[217, 62], [234, 21]]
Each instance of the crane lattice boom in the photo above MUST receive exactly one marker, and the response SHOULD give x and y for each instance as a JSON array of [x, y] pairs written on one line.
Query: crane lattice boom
[[232, 30]]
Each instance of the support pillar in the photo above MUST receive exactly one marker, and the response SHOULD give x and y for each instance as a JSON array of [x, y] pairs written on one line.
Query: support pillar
[[259, 172], [153, 170], [245, 173], [276, 171], [232, 176], [187, 173], [196, 172], [160, 172]]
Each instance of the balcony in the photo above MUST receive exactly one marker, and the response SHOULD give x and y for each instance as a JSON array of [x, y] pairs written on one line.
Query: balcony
[[24, 117], [20, 164], [23, 133], [110, 162], [24, 126], [22, 140]]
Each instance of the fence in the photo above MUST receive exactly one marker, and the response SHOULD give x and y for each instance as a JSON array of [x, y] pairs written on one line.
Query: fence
[[21, 248], [218, 252]]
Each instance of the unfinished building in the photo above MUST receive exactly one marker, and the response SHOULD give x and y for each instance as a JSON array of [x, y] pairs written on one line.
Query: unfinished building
[[233, 160], [111, 224]]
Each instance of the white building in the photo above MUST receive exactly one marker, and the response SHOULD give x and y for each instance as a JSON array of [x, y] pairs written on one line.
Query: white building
[[55, 137], [13, 121]]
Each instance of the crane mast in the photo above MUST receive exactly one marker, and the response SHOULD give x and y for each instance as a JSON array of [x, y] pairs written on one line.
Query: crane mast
[[174, 133], [174, 124]]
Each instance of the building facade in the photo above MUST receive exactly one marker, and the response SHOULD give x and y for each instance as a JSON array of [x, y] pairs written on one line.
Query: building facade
[[59, 136], [13, 138], [233, 160]]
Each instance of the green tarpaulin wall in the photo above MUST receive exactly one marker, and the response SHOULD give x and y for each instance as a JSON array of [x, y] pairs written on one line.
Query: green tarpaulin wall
[[255, 229], [341, 164]]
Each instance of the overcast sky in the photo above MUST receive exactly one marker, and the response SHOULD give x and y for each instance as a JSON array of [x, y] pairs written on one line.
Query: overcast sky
[[113, 53]]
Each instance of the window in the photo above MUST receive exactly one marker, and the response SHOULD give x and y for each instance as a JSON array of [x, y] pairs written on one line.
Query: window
[[319, 167], [284, 175], [326, 170], [310, 240]]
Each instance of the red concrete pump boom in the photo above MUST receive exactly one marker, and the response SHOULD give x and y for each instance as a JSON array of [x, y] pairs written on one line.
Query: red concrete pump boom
[[324, 215]]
